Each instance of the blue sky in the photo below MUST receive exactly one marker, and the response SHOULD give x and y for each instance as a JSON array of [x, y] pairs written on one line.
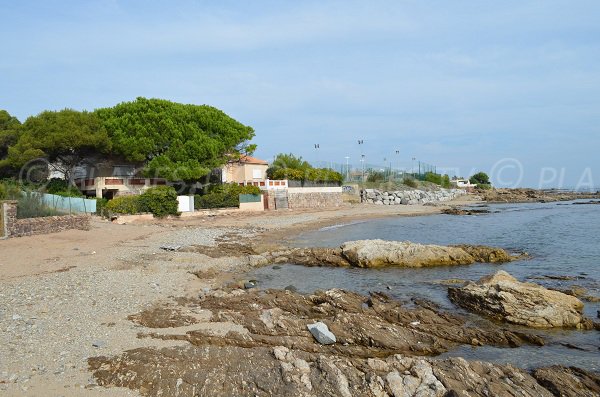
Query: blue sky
[[465, 85]]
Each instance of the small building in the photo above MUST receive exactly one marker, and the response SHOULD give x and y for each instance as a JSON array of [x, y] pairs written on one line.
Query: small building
[[246, 169], [463, 184], [110, 180]]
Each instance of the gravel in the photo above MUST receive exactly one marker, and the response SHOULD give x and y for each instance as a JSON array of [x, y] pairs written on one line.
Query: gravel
[[50, 324]]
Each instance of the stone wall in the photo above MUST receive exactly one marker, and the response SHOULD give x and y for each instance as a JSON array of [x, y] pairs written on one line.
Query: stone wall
[[317, 197], [30, 226], [409, 197]]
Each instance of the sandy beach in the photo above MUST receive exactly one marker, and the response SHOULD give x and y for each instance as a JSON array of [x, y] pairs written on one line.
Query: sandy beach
[[61, 294]]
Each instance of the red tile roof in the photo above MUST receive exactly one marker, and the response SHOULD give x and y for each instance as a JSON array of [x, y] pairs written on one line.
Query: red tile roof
[[252, 160]]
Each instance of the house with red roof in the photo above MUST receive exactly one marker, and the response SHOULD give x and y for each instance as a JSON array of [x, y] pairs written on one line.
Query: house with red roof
[[245, 170]]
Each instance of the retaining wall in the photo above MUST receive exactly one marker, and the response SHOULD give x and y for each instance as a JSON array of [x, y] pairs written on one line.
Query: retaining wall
[[14, 227], [314, 197]]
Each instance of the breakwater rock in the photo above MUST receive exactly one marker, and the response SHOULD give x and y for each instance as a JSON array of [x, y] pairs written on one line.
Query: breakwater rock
[[409, 197], [381, 253], [503, 297], [257, 344]]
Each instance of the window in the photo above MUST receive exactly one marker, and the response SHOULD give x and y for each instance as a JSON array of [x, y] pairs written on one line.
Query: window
[[256, 173]]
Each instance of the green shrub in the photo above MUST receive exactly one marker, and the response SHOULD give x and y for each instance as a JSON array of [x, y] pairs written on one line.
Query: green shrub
[[446, 181], [10, 190], [410, 182], [249, 189], [480, 178], [101, 209], [125, 205], [161, 201], [484, 186], [289, 173], [224, 195], [216, 200], [31, 205], [376, 176]]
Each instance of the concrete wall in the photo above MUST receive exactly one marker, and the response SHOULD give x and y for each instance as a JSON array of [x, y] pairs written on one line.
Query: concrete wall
[[314, 197], [235, 172], [14, 227], [255, 206]]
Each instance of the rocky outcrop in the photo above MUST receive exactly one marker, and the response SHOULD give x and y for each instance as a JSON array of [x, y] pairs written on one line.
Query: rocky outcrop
[[485, 254], [502, 297], [375, 253], [409, 197], [568, 382], [532, 195], [378, 253], [258, 344]]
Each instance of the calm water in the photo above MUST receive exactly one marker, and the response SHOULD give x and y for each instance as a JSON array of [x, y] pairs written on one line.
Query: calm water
[[563, 240]]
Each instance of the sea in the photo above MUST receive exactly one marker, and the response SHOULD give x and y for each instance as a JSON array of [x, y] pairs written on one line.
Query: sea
[[562, 239]]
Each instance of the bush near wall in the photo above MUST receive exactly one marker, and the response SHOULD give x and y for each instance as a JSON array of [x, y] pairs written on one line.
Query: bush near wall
[[225, 195], [311, 174], [160, 201], [125, 205]]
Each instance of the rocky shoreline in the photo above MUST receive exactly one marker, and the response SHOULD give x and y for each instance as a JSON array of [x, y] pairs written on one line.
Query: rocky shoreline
[[241, 340], [154, 322], [522, 195], [256, 343]]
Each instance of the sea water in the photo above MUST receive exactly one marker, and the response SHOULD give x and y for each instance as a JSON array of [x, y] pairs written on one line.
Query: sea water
[[562, 239]]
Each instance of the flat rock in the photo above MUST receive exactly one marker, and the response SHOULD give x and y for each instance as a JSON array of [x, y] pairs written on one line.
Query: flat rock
[[379, 253], [503, 297]]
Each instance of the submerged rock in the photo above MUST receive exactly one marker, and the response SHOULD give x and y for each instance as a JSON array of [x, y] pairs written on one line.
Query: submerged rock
[[503, 297]]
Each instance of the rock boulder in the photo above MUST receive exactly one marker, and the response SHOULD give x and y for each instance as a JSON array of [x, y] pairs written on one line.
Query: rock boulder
[[379, 253], [502, 297]]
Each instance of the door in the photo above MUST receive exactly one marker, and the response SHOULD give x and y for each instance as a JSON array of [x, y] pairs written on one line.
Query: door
[[281, 199]]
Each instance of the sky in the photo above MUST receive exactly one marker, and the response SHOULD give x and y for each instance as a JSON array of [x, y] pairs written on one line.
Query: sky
[[511, 88]]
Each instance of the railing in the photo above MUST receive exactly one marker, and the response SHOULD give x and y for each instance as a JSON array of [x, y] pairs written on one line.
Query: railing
[[118, 181], [267, 184]]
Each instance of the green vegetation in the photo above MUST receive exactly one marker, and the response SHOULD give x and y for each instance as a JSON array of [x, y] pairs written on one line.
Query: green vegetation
[[288, 166], [31, 205], [125, 205], [411, 182], [480, 178], [170, 140], [442, 180], [160, 201], [64, 138], [223, 196], [61, 187], [10, 128], [175, 141], [9, 190], [376, 176], [101, 209]]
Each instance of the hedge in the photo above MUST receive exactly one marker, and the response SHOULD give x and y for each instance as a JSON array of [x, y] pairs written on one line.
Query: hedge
[[225, 195], [160, 201]]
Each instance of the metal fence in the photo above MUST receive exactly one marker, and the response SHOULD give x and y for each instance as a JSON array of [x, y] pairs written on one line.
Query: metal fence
[[69, 204], [391, 169]]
